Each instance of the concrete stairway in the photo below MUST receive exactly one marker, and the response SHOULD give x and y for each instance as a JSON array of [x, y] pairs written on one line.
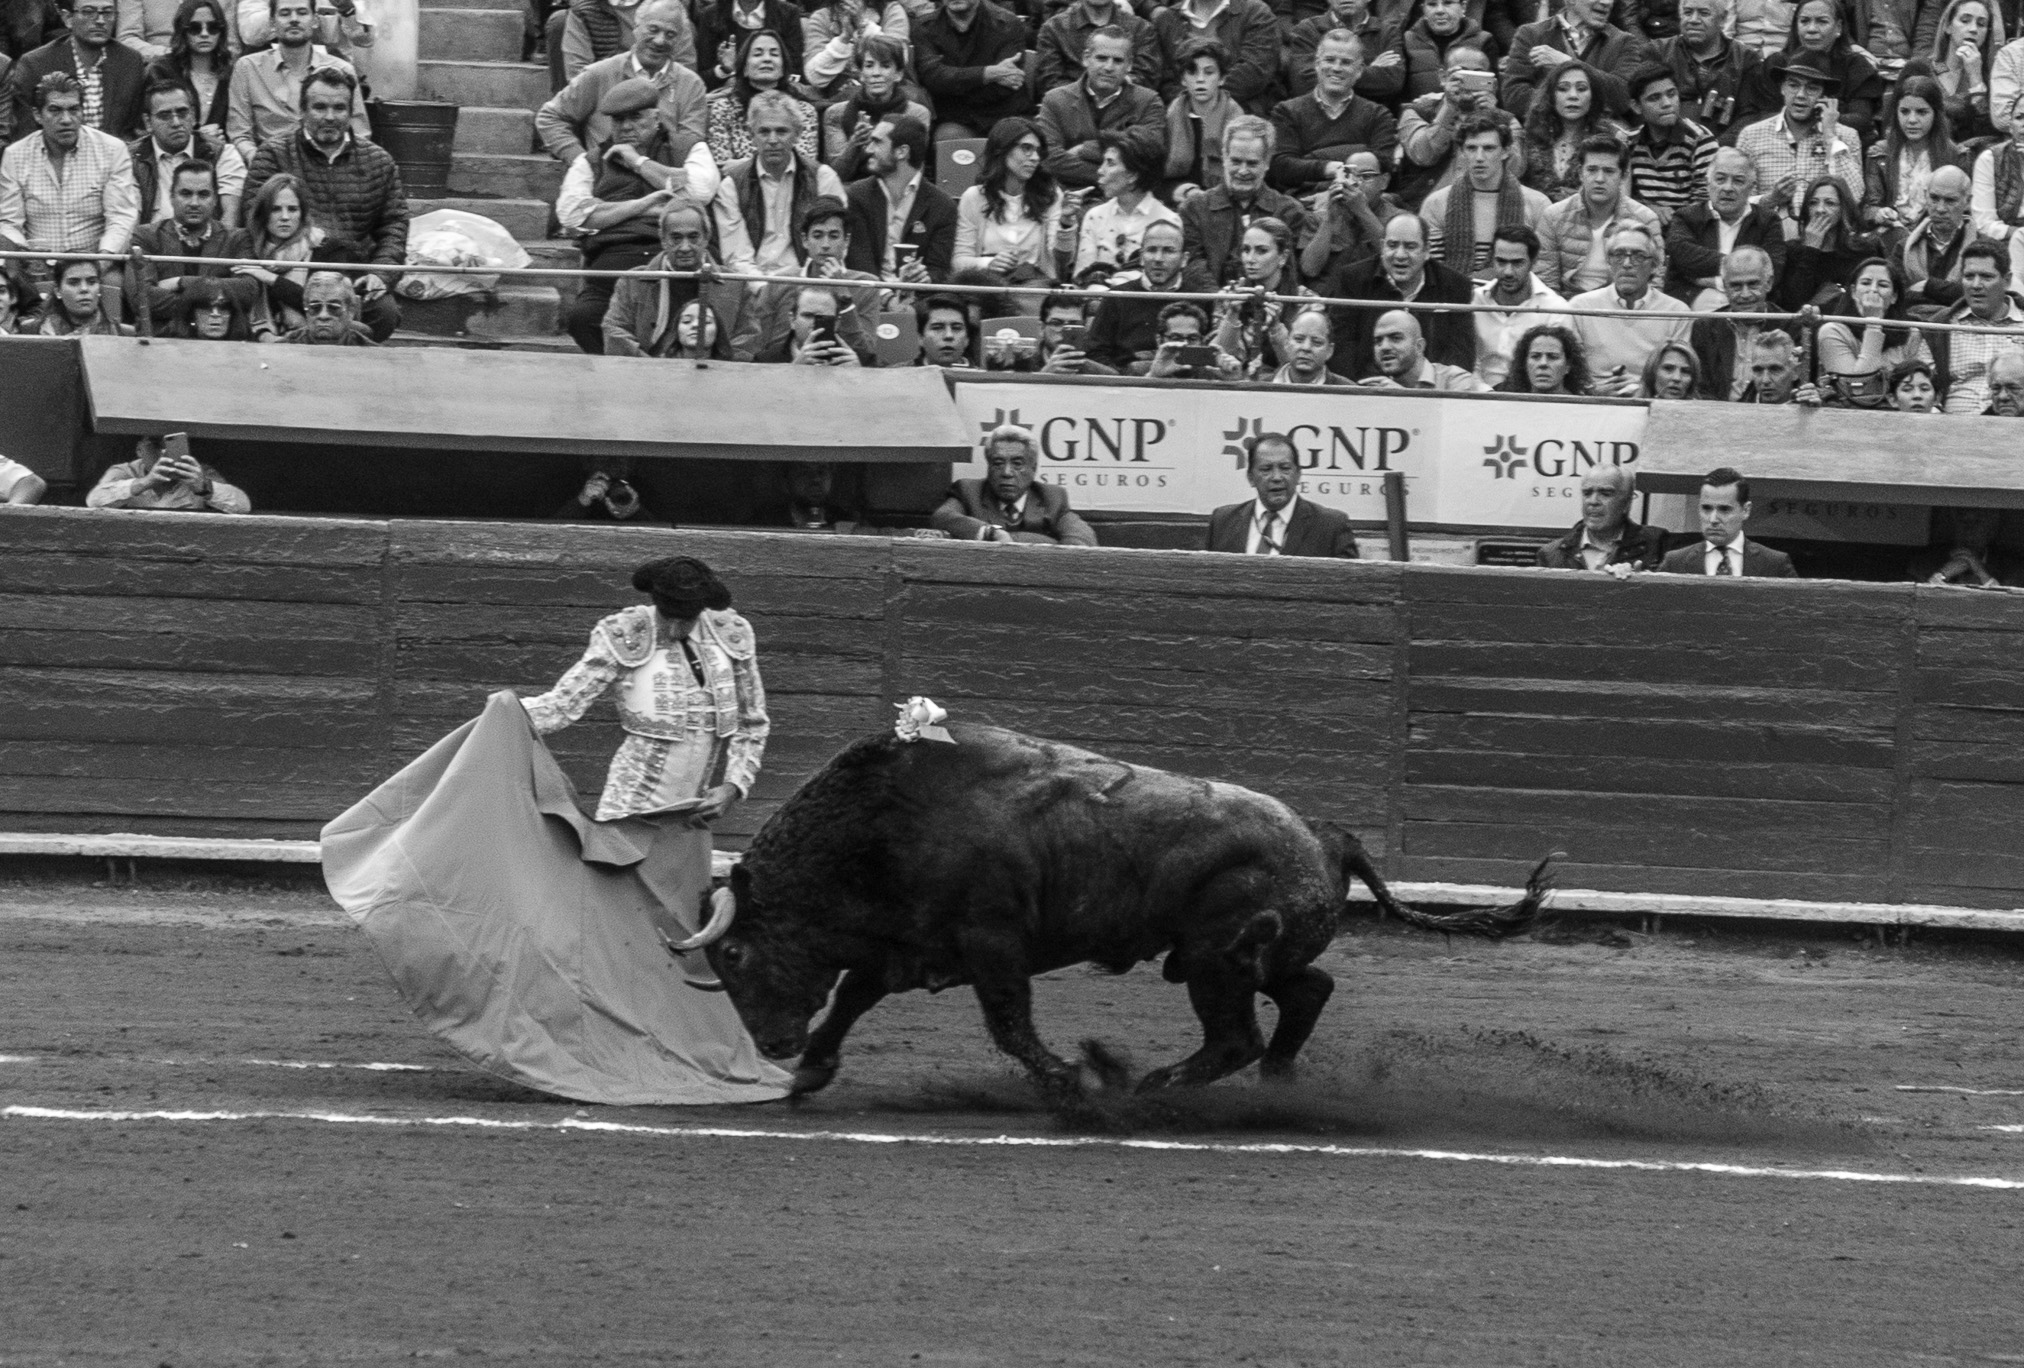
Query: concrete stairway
[[469, 50]]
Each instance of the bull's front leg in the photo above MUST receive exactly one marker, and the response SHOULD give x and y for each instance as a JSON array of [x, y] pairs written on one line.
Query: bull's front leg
[[857, 994], [997, 968]]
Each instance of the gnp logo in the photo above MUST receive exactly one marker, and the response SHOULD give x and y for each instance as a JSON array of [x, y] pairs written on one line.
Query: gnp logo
[[999, 418], [1554, 458], [1328, 450]]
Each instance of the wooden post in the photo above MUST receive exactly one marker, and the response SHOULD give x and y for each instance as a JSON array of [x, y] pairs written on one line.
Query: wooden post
[[1395, 515]]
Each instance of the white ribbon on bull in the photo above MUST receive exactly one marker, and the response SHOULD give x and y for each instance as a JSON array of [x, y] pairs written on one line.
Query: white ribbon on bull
[[918, 719]]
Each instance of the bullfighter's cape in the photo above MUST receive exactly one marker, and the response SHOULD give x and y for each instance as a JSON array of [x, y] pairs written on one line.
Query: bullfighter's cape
[[524, 933]]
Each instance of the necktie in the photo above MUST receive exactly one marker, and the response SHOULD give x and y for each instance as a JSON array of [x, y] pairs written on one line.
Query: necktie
[[1268, 543], [1722, 562]]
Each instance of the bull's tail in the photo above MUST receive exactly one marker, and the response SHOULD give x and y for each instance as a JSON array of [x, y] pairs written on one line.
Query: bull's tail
[[1491, 923]]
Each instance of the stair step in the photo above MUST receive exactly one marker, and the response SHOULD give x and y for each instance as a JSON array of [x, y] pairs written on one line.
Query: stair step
[[471, 35], [484, 129], [526, 219], [513, 85], [562, 252], [512, 310], [527, 175]]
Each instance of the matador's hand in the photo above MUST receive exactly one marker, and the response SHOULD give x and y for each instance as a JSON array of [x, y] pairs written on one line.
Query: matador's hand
[[716, 803]]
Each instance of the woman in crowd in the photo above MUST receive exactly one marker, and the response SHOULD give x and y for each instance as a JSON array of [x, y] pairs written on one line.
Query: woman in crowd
[[833, 36], [1547, 360], [1110, 232], [1554, 130], [19, 302], [1855, 369], [1912, 389], [1423, 47], [1996, 194], [1918, 140], [762, 65], [1817, 32], [1196, 117], [281, 231], [1009, 222], [880, 93], [1823, 249], [1671, 372], [199, 57], [208, 312], [76, 309], [1254, 330], [1964, 46]]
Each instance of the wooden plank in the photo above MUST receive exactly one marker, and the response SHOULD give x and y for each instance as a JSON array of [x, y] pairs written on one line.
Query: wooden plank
[[1427, 584], [1744, 883], [1697, 818], [1946, 725], [1005, 675], [1635, 777], [616, 550], [505, 401], [160, 824], [1949, 606], [1126, 571], [184, 797], [1865, 456], [1638, 701], [1105, 727], [567, 629], [141, 762], [197, 538], [1710, 742], [1859, 664], [531, 669], [594, 592], [1606, 839], [1199, 621], [129, 846], [1801, 626], [1991, 762], [218, 709], [56, 572]]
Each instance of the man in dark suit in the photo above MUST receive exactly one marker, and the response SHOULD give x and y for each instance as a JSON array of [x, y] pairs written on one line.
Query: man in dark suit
[[1723, 346], [1402, 270], [1213, 222], [1007, 505], [1578, 31], [1606, 537], [898, 192], [1694, 238], [1723, 551], [88, 47], [1279, 522]]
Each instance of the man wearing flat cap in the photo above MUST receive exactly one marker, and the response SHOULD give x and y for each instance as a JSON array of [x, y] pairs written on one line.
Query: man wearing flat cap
[[571, 122], [613, 195], [1804, 140]]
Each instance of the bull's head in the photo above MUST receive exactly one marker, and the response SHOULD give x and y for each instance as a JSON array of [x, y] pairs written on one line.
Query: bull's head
[[767, 966]]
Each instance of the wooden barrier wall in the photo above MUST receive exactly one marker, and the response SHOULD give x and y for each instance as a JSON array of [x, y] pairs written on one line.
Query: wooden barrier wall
[[178, 674]]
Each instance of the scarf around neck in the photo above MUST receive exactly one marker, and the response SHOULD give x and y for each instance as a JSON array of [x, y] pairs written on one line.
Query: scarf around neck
[[1458, 225]]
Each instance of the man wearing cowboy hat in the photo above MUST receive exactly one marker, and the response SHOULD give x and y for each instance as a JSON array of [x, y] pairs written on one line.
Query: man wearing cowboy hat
[[1805, 139]]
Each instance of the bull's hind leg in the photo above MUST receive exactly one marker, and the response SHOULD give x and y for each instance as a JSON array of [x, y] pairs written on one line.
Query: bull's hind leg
[[1224, 997], [1300, 996]]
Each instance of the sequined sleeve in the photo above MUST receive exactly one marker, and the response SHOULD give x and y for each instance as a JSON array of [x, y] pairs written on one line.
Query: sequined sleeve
[[573, 694], [748, 743]]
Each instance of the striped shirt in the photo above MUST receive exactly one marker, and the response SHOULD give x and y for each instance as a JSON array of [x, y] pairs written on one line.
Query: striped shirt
[[1670, 171], [1776, 153], [87, 202], [92, 78]]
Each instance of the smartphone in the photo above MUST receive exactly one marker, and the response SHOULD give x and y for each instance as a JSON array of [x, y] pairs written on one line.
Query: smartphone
[[1195, 356], [1479, 82], [177, 444], [1072, 335], [822, 330]]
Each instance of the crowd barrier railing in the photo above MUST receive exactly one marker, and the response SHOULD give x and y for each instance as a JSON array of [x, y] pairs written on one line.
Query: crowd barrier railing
[[1026, 291]]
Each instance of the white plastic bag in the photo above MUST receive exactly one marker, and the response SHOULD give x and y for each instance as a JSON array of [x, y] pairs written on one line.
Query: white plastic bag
[[451, 237]]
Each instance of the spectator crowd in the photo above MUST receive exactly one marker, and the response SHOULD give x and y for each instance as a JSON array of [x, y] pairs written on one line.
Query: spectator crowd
[[1604, 180]]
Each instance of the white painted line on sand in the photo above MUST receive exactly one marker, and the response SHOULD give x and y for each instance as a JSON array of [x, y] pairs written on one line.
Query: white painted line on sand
[[314, 1064], [17, 1059], [575, 1124], [1967, 1092], [2007, 1130]]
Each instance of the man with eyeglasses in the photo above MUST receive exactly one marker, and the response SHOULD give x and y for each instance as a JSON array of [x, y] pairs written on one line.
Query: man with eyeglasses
[[1617, 347], [109, 75], [266, 95], [2006, 385], [571, 121], [330, 314], [172, 139], [1351, 213]]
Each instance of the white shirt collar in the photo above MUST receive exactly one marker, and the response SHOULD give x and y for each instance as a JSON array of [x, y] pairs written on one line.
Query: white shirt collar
[[1285, 515], [1709, 551]]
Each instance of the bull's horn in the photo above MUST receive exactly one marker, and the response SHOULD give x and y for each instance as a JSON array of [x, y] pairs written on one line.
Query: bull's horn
[[723, 910]]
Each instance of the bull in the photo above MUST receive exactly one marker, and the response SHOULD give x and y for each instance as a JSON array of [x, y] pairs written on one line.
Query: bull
[[921, 864]]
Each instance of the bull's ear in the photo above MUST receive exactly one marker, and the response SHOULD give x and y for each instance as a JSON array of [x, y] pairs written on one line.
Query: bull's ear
[[741, 881]]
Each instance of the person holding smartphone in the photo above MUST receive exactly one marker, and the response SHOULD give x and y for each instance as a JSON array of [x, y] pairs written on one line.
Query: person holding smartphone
[[165, 477], [814, 340]]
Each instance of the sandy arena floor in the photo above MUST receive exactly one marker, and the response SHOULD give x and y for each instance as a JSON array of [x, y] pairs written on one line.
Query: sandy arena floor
[[1609, 1149]]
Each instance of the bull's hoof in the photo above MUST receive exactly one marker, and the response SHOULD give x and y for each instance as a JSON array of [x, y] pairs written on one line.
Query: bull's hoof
[[1277, 1070], [1157, 1080], [810, 1078]]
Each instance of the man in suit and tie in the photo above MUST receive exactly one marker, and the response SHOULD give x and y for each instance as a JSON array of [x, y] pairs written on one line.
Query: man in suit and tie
[[897, 205], [1007, 505], [1279, 522], [1723, 550]]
